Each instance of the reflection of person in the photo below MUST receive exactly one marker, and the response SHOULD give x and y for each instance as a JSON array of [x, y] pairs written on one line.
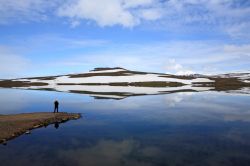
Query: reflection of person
[[56, 103], [56, 125]]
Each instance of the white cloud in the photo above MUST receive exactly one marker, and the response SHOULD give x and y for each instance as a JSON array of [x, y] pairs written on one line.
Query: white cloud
[[176, 57], [24, 10], [238, 49], [105, 13], [226, 16], [171, 57], [151, 14], [110, 12], [11, 64], [75, 23], [173, 67], [137, 3]]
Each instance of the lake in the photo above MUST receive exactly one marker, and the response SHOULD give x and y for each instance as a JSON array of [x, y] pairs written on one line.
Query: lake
[[178, 129]]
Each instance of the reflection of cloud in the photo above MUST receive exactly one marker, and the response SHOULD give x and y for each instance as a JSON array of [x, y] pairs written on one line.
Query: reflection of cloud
[[177, 108], [173, 99], [111, 153], [150, 151], [245, 117], [172, 65], [11, 100]]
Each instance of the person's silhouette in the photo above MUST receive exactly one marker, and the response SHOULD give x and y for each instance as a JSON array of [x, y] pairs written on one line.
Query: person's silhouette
[[56, 103], [56, 125]]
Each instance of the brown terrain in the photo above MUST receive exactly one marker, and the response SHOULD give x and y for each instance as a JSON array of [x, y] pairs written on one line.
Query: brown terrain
[[12, 126], [220, 83], [11, 84], [224, 84]]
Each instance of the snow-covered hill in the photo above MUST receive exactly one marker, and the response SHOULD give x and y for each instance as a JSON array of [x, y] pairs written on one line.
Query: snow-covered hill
[[115, 76], [120, 83]]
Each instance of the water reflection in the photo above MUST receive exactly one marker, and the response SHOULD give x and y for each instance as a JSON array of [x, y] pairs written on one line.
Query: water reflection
[[207, 128], [56, 125], [105, 152], [11, 101]]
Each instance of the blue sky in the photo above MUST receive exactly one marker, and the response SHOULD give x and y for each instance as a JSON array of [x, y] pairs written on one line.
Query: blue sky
[[50, 37]]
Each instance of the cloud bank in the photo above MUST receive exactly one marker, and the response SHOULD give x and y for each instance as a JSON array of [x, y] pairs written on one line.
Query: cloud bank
[[185, 57], [227, 16], [127, 13]]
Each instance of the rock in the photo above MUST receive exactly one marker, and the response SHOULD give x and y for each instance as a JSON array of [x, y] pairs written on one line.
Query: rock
[[4, 141], [76, 117], [27, 132], [36, 126]]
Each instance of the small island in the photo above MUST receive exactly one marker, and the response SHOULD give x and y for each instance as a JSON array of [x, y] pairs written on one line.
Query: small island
[[12, 126]]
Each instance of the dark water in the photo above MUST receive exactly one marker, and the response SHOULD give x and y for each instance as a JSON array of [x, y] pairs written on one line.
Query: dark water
[[197, 129]]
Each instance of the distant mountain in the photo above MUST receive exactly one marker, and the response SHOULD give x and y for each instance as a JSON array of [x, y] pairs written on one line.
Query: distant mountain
[[118, 83]]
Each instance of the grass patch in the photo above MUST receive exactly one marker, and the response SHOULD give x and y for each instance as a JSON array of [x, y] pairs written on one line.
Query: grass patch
[[223, 84], [107, 68], [178, 77], [43, 78], [102, 93], [10, 84]]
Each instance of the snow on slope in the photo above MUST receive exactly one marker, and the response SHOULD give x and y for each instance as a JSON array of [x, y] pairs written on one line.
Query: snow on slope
[[244, 77], [117, 92], [132, 78], [117, 79], [126, 89], [98, 76], [241, 76], [120, 92]]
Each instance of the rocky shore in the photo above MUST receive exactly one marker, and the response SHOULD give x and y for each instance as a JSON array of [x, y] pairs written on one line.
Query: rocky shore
[[12, 126]]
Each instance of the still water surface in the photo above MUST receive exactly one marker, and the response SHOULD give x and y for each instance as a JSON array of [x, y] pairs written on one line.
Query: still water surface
[[203, 129]]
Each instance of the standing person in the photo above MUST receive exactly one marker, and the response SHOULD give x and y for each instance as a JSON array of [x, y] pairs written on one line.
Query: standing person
[[56, 103]]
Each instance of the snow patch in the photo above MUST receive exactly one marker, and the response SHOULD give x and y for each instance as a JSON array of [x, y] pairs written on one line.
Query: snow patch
[[121, 89], [132, 78]]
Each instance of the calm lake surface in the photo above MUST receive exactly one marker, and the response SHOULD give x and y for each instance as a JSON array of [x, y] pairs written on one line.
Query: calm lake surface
[[198, 129]]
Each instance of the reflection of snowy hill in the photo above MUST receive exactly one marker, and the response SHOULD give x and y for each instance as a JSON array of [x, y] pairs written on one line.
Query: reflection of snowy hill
[[119, 83]]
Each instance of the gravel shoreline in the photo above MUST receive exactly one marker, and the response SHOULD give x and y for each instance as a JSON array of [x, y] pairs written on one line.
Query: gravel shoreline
[[12, 126]]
